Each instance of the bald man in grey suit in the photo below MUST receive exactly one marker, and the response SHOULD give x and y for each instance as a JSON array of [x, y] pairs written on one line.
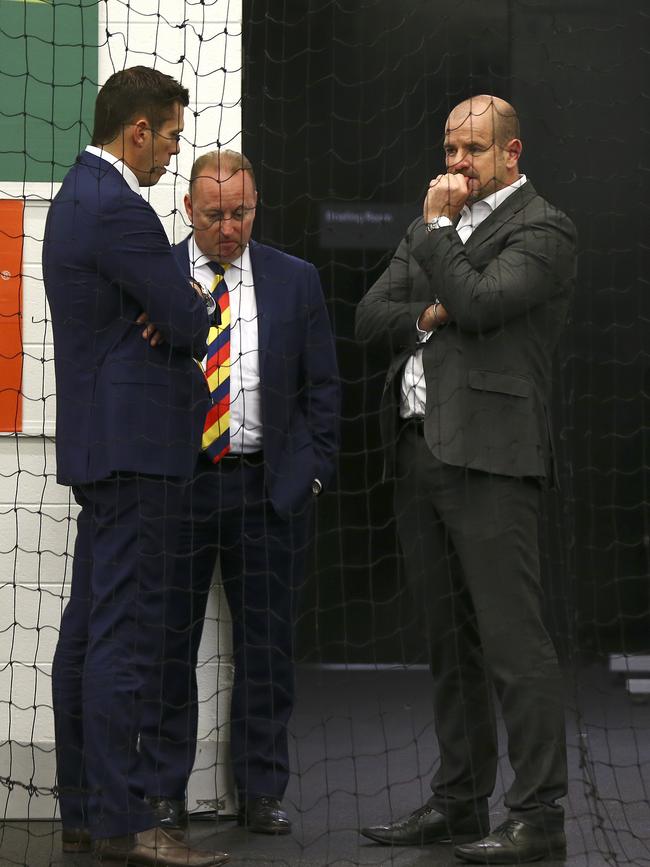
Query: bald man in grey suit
[[471, 307]]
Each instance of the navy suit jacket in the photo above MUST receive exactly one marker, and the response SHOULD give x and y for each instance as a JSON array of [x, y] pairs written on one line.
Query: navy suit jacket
[[122, 405], [299, 383]]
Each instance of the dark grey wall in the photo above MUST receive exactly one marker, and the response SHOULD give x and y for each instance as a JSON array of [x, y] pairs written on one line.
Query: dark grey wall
[[578, 73], [345, 103]]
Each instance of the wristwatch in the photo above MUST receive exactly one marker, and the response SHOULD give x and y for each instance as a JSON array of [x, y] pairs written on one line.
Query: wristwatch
[[207, 297], [209, 301], [438, 223], [316, 487]]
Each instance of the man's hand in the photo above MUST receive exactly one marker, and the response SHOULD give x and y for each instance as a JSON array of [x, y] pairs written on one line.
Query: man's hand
[[150, 332], [433, 317], [446, 197]]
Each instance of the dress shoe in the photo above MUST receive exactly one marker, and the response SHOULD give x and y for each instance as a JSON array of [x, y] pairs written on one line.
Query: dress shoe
[[171, 815], [427, 825], [264, 816], [153, 848], [514, 842], [75, 840]]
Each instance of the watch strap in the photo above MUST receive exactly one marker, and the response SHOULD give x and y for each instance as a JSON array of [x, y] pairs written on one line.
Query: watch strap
[[438, 223]]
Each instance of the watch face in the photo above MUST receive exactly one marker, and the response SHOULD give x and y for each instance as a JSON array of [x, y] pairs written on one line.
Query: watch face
[[438, 223]]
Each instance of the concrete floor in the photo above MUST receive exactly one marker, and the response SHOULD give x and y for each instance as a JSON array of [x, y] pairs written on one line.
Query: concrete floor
[[364, 751]]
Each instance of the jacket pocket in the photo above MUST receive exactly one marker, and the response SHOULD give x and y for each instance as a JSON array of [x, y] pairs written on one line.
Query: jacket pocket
[[503, 383]]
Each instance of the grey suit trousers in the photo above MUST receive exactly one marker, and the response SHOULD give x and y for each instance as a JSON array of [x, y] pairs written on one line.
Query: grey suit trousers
[[470, 543]]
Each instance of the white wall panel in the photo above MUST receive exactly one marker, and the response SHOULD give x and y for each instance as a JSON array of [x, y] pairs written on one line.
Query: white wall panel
[[28, 472], [200, 44]]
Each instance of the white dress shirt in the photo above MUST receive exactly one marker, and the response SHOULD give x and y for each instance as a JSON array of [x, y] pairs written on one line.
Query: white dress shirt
[[245, 404], [414, 388], [122, 168]]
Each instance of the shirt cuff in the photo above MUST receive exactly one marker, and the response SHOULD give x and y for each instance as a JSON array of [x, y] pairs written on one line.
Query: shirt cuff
[[423, 336]]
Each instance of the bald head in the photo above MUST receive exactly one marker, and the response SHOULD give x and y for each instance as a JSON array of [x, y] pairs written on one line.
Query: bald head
[[482, 143], [496, 111]]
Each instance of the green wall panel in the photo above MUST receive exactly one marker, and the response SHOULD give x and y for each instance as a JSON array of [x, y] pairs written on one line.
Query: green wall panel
[[48, 85]]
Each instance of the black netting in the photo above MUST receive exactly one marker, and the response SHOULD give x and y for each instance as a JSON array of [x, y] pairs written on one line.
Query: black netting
[[341, 109]]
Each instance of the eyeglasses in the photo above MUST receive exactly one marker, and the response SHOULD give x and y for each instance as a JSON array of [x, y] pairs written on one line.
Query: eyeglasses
[[237, 216], [175, 138]]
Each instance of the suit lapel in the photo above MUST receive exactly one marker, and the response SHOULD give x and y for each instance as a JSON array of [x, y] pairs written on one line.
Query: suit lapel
[[182, 253], [505, 212], [264, 297]]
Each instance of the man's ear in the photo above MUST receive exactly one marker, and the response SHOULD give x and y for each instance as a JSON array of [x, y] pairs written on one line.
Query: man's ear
[[187, 201], [513, 148], [139, 129]]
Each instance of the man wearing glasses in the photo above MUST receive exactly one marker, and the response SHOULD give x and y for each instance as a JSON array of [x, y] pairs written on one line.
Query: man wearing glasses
[[269, 447]]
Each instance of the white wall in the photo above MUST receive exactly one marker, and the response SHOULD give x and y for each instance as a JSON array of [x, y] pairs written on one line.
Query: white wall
[[37, 527]]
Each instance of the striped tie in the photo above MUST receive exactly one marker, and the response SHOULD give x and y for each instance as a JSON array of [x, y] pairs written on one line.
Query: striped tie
[[216, 432]]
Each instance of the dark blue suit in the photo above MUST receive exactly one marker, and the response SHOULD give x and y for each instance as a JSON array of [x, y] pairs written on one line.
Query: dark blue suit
[[129, 421], [253, 515]]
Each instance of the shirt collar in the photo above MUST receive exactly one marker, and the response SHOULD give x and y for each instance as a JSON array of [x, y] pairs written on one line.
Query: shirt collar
[[122, 168], [492, 202], [242, 264]]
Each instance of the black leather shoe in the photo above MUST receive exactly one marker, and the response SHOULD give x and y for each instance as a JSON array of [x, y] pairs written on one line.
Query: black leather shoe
[[75, 840], [426, 825], [514, 842], [264, 816], [171, 815]]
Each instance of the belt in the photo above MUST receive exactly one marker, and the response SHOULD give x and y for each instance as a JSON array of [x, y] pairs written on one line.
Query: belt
[[415, 423], [238, 459]]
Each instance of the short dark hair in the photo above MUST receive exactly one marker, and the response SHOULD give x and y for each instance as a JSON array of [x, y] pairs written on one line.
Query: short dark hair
[[131, 92]]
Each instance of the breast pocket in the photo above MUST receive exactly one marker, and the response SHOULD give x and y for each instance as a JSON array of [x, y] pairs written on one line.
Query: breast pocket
[[501, 383]]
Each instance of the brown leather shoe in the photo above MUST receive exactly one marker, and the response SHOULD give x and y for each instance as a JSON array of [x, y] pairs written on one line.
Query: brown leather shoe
[[75, 840], [153, 848]]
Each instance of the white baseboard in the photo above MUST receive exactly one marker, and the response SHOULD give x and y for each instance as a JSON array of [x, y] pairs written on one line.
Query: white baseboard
[[211, 786]]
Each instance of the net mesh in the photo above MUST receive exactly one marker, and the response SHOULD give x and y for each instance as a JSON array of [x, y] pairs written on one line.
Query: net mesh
[[340, 106]]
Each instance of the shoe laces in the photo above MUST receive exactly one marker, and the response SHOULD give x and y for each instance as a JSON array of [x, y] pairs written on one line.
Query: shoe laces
[[268, 802], [507, 829], [424, 810]]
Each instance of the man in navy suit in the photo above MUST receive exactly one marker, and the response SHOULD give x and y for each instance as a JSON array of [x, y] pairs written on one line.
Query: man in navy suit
[[130, 413], [249, 503]]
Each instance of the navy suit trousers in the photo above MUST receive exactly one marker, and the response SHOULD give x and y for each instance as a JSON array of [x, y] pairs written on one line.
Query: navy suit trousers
[[262, 558], [109, 645]]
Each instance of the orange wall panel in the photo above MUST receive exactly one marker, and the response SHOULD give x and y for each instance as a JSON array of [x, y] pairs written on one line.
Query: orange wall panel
[[11, 343]]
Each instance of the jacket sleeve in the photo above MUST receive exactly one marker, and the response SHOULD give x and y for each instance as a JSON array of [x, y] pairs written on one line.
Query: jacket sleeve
[[536, 263], [386, 316], [321, 398], [137, 257]]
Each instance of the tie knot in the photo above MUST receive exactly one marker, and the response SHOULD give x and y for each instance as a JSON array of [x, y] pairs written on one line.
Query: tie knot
[[217, 268]]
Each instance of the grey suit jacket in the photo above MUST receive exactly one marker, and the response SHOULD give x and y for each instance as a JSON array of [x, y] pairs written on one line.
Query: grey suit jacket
[[488, 370]]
